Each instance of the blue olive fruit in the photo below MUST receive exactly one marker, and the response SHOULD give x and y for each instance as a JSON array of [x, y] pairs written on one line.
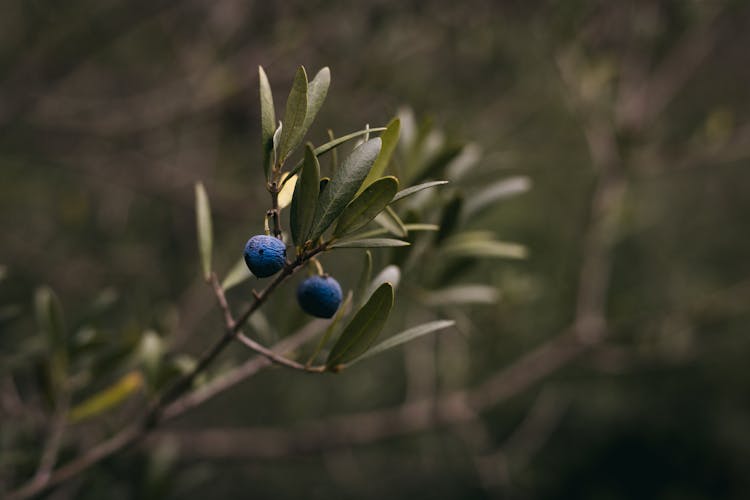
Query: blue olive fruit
[[319, 296], [264, 255]]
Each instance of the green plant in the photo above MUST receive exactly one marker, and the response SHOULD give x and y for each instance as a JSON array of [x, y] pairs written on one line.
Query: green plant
[[357, 205]]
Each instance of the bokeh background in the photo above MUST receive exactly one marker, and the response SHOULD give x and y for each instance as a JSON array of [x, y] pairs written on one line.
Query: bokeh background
[[632, 121]]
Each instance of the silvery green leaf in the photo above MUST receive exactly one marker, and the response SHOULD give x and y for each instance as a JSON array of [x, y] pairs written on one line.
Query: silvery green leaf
[[390, 139], [389, 274], [306, 194], [317, 90], [294, 117], [344, 184], [404, 337], [267, 120], [415, 189], [366, 205], [363, 329], [369, 243]]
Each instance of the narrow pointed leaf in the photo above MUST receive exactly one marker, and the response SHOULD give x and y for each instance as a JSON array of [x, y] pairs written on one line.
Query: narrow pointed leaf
[[496, 192], [415, 189], [364, 278], [450, 217], [287, 191], [344, 183], [317, 90], [370, 243], [203, 226], [363, 329], [390, 139], [267, 120], [342, 311], [389, 274], [404, 337], [390, 221], [108, 398], [366, 206], [238, 274], [382, 231], [334, 143], [306, 193], [496, 249], [461, 294], [294, 117]]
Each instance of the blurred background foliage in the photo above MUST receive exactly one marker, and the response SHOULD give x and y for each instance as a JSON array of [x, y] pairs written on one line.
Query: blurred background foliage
[[630, 120]]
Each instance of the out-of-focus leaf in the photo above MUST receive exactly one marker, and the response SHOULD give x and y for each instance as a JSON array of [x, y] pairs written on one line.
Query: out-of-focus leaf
[[286, 192], [390, 220], [476, 248], [49, 317], [267, 120], [363, 329], [317, 90], [434, 166], [496, 192], [382, 231], [450, 217], [334, 153], [238, 274], [461, 164], [390, 139], [389, 274], [3, 272], [203, 224], [408, 127], [461, 294], [342, 311], [108, 398], [303, 210], [150, 352], [364, 278], [334, 143], [366, 205], [369, 243], [404, 337], [343, 185], [294, 117], [415, 189]]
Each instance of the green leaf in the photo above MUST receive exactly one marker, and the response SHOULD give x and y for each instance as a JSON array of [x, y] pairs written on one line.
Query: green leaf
[[366, 206], [404, 337], [49, 317], [461, 294], [415, 189], [150, 352], [363, 329], [390, 221], [317, 90], [203, 222], [237, 275], [342, 311], [370, 243], [344, 184], [382, 231], [496, 192], [364, 277], [389, 274], [306, 194], [294, 117], [267, 120], [390, 139], [334, 143], [107, 398], [477, 248]]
